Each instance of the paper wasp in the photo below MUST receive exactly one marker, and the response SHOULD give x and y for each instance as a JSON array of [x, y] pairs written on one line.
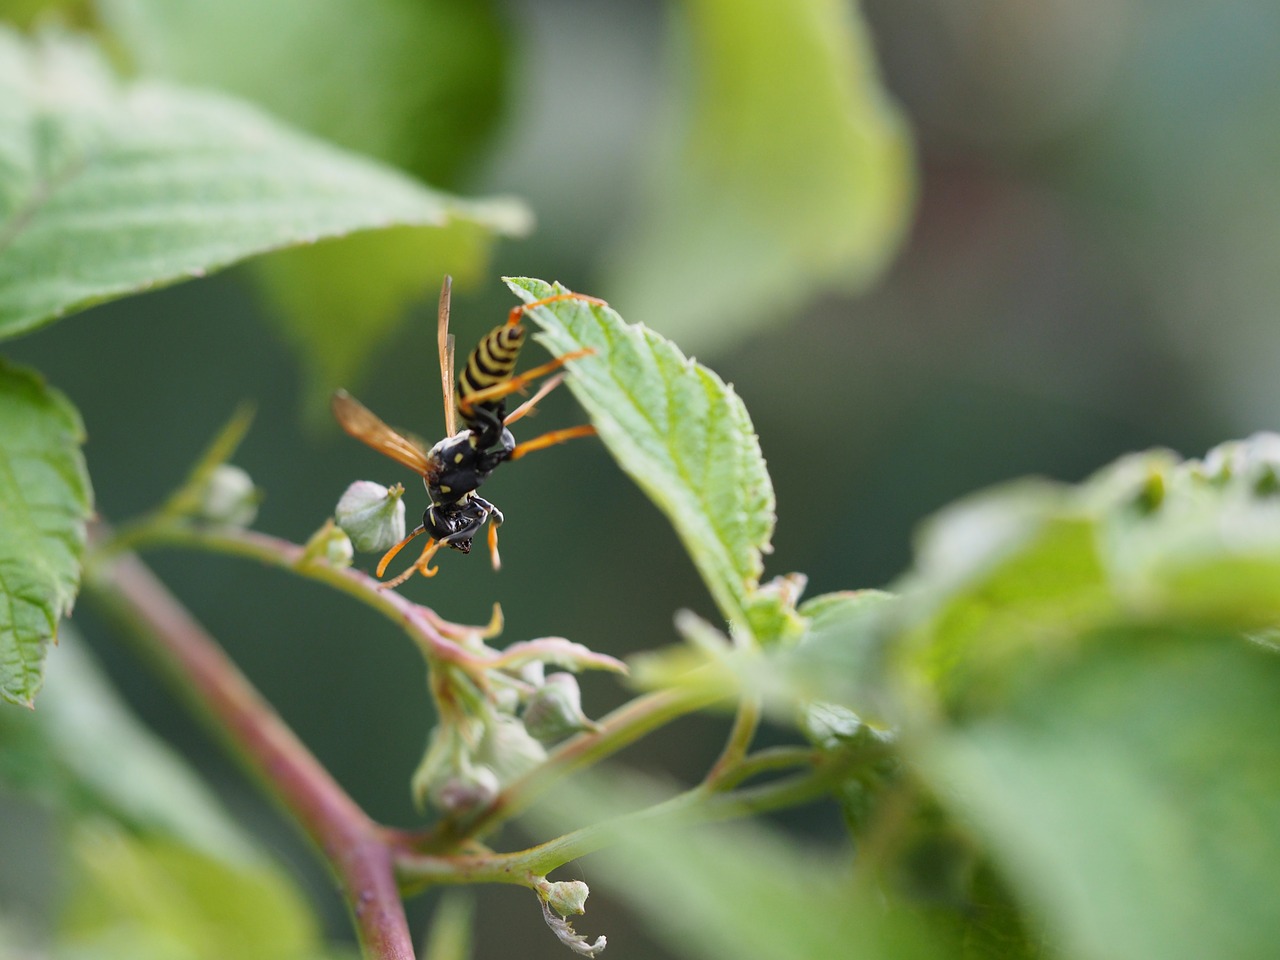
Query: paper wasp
[[455, 467]]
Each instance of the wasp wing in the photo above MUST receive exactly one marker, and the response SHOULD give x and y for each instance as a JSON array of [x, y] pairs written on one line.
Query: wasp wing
[[445, 344], [365, 425]]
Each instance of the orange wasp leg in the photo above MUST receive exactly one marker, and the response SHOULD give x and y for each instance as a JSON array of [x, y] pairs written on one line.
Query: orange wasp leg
[[527, 408], [514, 316], [390, 554], [499, 390], [420, 565], [551, 439], [493, 546]]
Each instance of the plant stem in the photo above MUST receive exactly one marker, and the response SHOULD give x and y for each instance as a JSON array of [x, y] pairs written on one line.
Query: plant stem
[[356, 849], [417, 621], [745, 723], [701, 804]]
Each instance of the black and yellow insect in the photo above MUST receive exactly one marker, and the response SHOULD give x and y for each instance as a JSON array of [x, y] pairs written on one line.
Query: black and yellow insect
[[455, 467]]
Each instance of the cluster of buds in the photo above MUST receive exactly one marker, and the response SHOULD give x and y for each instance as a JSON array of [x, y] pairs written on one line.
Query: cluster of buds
[[499, 712]]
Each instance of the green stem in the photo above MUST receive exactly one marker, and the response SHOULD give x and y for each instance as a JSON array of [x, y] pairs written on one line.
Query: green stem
[[357, 850], [698, 805], [745, 723]]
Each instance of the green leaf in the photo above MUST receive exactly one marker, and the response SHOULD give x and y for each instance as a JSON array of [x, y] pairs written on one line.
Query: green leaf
[[339, 300], [154, 899], [1132, 795], [45, 501], [1072, 670], [85, 752], [107, 188], [676, 429], [787, 170], [417, 85]]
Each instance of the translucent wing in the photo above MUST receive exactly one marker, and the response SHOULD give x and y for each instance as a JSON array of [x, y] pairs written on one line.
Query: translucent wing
[[445, 344], [365, 425]]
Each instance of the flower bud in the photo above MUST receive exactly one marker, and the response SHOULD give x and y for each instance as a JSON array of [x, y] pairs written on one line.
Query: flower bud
[[509, 749], [227, 497], [372, 515], [566, 897], [467, 790], [554, 710], [329, 544]]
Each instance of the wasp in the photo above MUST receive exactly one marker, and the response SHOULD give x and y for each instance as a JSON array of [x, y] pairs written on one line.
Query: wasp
[[454, 469]]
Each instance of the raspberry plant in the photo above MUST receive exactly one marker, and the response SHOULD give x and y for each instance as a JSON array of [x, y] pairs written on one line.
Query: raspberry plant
[[1053, 737]]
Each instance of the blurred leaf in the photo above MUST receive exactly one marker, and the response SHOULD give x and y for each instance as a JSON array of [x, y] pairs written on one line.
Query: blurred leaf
[[449, 936], [737, 892], [139, 899], [1132, 795], [415, 83], [679, 431], [1009, 579], [108, 189], [1072, 669], [340, 299], [84, 750], [792, 170], [45, 501]]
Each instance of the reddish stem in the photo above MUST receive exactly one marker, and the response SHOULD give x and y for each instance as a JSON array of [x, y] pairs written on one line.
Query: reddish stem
[[356, 848]]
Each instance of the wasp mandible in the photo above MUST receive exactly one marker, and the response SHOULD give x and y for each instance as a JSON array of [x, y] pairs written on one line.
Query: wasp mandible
[[455, 467]]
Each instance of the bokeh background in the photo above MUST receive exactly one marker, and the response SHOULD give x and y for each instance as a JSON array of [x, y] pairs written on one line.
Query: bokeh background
[[1092, 266]]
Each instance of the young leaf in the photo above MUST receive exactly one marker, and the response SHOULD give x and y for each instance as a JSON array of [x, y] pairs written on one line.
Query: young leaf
[[679, 431], [45, 502], [790, 169], [109, 188]]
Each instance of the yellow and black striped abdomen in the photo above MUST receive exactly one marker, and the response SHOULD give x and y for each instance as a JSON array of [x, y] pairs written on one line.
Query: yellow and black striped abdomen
[[491, 363]]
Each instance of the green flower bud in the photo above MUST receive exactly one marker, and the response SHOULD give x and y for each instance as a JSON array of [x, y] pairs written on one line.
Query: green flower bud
[[372, 515], [227, 497], [554, 710], [509, 750], [330, 545]]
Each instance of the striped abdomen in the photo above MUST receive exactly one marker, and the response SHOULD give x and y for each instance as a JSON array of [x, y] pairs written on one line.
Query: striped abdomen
[[490, 364]]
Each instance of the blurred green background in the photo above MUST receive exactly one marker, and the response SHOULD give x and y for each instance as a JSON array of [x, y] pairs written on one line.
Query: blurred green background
[[1092, 268]]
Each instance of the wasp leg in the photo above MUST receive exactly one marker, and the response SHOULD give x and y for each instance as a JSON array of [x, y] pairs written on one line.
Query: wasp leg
[[550, 439], [421, 565], [493, 546], [506, 387], [495, 520], [390, 554], [517, 312], [527, 407]]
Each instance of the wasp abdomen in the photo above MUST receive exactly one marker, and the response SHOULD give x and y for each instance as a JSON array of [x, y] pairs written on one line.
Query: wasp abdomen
[[491, 363]]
